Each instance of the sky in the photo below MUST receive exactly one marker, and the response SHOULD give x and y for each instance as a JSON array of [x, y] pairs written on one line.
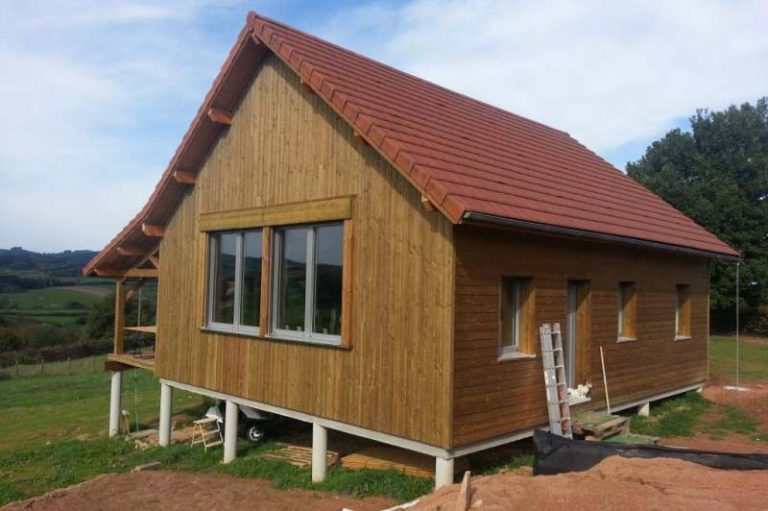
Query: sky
[[95, 95]]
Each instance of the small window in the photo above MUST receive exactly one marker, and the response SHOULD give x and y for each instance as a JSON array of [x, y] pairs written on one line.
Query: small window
[[306, 294], [513, 338], [234, 294], [683, 312], [627, 311]]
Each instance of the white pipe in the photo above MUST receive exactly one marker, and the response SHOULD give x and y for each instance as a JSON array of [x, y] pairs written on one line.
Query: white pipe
[[114, 403], [319, 452], [166, 404], [443, 472], [230, 432]]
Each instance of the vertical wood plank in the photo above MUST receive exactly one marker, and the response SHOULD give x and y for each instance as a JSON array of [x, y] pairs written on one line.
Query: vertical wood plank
[[119, 315], [266, 280]]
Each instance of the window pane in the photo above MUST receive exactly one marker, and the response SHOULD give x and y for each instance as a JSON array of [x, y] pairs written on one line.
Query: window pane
[[224, 279], [510, 314], [292, 279], [251, 291], [328, 270]]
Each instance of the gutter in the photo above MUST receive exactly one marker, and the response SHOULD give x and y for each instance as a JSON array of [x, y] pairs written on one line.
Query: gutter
[[473, 216]]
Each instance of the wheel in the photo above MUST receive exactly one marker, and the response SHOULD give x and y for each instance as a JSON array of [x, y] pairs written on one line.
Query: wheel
[[254, 433]]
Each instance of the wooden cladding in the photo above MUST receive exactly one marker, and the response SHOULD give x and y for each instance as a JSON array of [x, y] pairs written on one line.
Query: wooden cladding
[[683, 311], [493, 398], [282, 214], [289, 148]]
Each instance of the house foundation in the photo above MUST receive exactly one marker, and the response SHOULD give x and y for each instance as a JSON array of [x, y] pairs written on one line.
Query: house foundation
[[115, 397]]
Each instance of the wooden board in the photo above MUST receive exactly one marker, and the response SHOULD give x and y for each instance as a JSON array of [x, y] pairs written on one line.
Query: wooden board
[[287, 147], [300, 456], [391, 458]]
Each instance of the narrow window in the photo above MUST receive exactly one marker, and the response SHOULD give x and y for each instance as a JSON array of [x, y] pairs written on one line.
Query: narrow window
[[235, 280], [512, 335], [307, 292], [627, 311], [683, 312]]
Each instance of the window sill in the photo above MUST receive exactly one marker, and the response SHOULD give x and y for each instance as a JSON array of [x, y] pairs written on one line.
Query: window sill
[[508, 357], [275, 338], [626, 339], [680, 338]]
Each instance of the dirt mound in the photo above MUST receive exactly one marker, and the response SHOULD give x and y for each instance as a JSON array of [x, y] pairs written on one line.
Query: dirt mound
[[616, 483], [171, 491]]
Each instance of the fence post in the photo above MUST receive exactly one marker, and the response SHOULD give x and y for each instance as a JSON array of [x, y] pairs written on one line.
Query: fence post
[[42, 366], [68, 361]]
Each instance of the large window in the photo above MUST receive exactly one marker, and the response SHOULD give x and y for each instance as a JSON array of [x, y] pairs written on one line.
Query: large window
[[307, 282], [235, 280], [627, 316], [683, 312], [513, 335]]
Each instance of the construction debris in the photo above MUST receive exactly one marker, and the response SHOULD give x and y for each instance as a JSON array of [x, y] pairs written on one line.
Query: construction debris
[[300, 456]]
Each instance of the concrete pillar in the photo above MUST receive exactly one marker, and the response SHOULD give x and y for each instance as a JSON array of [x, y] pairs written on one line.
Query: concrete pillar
[[114, 403], [644, 410], [166, 408], [230, 432], [319, 452], [443, 472]]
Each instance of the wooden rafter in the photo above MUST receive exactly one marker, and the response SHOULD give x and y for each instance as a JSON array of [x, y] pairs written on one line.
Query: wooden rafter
[[130, 251], [184, 177], [220, 116], [153, 230], [135, 289], [145, 273]]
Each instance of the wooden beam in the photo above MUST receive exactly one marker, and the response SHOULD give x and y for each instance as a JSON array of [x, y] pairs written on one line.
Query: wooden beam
[[155, 261], [184, 177], [220, 116], [153, 230], [266, 261], [119, 316], [144, 273], [130, 251], [135, 289]]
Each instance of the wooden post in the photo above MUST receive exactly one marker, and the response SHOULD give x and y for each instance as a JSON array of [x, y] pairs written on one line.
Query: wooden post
[[119, 315]]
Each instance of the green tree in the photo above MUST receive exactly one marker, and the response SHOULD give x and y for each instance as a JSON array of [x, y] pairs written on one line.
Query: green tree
[[717, 174], [101, 320]]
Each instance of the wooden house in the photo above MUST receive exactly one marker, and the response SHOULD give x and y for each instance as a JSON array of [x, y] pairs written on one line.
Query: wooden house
[[345, 244]]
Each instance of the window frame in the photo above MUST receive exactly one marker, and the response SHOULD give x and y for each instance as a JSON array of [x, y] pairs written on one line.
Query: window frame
[[682, 312], [307, 335], [237, 327], [627, 312], [520, 348]]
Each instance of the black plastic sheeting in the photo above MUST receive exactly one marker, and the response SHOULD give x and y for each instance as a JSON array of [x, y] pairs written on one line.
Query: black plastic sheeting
[[556, 455]]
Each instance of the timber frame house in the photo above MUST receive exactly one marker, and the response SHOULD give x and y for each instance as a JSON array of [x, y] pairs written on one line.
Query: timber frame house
[[345, 244]]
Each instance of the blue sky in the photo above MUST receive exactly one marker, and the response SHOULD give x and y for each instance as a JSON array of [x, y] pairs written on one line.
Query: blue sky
[[97, 94]]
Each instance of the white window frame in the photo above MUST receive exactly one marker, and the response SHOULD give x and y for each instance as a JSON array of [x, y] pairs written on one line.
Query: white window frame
[[307, 334], [517, 304], [213, 245]]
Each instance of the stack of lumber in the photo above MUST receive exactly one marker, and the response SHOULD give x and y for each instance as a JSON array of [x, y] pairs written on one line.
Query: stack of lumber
[[300, 456], [599, 426], [382, 457]]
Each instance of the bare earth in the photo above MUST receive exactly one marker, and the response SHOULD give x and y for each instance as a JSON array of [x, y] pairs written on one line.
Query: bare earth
[[173, 491], [616, 483]]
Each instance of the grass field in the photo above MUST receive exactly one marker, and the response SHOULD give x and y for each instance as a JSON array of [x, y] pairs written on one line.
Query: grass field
[[53, 429], [722, 360], [54, 298]]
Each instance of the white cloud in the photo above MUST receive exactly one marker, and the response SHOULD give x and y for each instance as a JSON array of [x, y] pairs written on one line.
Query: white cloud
[[610, 73]]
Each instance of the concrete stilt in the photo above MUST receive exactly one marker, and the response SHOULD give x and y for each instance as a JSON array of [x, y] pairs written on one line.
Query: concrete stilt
[[319, 452], [114, 403], [230, 432], [166, 408], [644, 410], [443, 472]]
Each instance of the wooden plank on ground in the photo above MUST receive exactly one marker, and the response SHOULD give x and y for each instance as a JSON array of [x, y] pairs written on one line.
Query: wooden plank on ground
[[391, 458]]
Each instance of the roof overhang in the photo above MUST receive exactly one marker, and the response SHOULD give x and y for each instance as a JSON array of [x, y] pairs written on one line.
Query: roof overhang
[[473, 217]]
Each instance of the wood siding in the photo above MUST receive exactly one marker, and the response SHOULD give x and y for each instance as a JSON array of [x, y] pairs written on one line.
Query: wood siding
[[286, 146], [492, 398]]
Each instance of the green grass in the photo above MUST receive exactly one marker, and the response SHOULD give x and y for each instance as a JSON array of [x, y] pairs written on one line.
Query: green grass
[[673, 417], [50, 298], [736, 420], [53, 427], [722, 360]]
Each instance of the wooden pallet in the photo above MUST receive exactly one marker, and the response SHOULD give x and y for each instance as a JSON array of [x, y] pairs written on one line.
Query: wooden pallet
[[598, 427], [300, 456], [382, 457]]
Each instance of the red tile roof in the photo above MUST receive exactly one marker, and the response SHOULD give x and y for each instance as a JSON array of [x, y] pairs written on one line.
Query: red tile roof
[[467, 157]]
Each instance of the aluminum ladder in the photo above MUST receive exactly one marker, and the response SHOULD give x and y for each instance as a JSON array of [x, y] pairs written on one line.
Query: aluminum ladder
[[555, 382]]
